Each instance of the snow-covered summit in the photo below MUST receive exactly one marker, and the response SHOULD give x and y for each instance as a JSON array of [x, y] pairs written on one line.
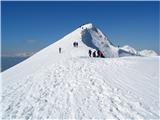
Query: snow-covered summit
[[92, 37], [71, 85], [88, 37], [87, 25]]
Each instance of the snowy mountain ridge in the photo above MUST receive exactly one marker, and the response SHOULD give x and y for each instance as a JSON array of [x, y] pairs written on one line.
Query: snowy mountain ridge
[[148, 53], [129, 49], [71, 85], [94, 38]]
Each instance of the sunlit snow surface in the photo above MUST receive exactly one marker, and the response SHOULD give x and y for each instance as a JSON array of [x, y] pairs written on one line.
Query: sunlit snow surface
[[71, 85], [120, 88]]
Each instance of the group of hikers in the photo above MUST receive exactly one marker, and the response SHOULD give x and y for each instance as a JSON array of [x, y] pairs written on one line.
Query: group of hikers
[[96, 53], [75, 44]]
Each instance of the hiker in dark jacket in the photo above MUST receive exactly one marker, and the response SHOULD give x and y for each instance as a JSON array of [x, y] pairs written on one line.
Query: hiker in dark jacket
[[94, 54], [90, 53], [99, 53], [76, 44], [60, 49]]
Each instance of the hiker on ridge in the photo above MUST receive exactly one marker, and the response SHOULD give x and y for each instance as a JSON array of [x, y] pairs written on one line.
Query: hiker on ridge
[[94, 54], [90, 53], [60, 49]]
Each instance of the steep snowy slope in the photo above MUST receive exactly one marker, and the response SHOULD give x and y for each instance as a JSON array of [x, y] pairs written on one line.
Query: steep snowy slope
[[99, 41], [129, 49], [69, 85], [49, 55], [87, 36]]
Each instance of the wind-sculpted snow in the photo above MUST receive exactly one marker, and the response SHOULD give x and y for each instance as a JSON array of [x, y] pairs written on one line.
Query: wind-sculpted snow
[[86, 88], [87, 39], [95, 39]]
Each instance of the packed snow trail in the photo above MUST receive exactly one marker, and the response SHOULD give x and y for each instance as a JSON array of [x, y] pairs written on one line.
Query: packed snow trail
[[86, 88]]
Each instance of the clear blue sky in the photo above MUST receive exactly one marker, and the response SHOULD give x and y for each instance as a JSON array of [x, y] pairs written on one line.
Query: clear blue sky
[[31, 26]]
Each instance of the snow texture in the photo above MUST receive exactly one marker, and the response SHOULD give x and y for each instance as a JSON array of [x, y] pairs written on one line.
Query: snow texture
[[72, 85], [148, 53]]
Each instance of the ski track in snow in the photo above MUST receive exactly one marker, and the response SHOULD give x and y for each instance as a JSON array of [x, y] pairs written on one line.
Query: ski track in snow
[[75, 89]]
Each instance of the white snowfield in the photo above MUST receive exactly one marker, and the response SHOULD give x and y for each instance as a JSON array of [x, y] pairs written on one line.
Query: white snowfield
[[72, 85], [148, 53]]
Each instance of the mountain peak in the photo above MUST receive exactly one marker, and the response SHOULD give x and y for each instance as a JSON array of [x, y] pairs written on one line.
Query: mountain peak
[[87, 25]]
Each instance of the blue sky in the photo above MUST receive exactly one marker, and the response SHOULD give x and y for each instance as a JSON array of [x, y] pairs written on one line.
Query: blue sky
[[31, 26]]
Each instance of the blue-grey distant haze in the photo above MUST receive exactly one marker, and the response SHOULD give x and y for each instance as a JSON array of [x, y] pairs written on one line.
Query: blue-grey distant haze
[[30, 26]]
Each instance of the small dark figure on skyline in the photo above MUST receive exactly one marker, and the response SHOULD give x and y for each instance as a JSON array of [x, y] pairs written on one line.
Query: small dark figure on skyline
[[90, 53]]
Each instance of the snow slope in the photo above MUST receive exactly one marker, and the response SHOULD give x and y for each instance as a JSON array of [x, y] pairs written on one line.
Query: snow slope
[[86, 88], [148, 53], [71, 85], [129, 49]]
